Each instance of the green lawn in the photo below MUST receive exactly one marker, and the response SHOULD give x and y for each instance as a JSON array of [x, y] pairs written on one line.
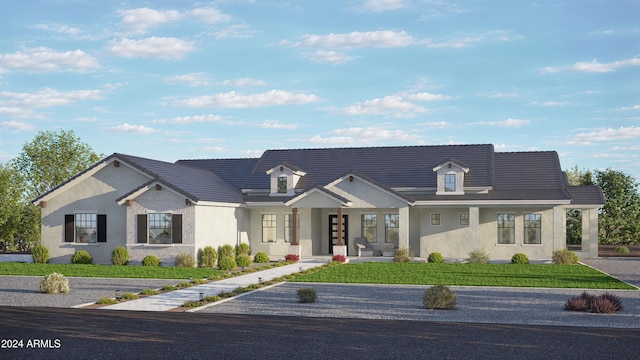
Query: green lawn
[[108, 271], [545, 276]]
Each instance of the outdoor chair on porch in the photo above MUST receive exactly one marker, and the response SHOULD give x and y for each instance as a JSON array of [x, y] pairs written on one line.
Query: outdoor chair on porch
[[363, 248]]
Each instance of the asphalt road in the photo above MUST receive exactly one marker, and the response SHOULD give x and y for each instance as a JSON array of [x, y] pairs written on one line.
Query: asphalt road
[[101, 334]]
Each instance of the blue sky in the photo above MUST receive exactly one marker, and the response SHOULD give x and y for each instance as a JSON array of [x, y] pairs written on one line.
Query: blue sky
[[178, 79]]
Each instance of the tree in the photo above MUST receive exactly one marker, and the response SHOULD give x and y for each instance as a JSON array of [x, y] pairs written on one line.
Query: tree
[[52, 158], [620, 216], [576, 177], [10, 202]]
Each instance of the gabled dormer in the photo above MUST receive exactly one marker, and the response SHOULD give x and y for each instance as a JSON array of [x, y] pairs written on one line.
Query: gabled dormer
[[284, 178], [450, 177]]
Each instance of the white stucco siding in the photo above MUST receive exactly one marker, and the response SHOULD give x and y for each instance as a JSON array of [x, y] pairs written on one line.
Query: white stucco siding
[[94, 194], [280, 248], [219, 225], [364, 195], [449, 238]]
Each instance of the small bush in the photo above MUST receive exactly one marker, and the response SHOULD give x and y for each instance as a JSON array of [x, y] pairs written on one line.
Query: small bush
[[519, 258], [129, 296], [149, 292], [622, 249], [478, 256], [150, 260], [606, 303], [261, 258], [120, 256], [227, 263], [185, 260], [226, 250], [169, 288], [54, 283], [40, 254], [243, 248], [106, 301], [439, 297], [244, 260], [207, 257], [339, 258], [81, 257], [614, 300], [403, 255], [307, 295], [292, 257], [435, 257], [565, 257]]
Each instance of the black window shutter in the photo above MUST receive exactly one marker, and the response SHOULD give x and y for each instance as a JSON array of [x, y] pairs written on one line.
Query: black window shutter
[[142, 228], [102, 228], [69, 228], [176, 228]]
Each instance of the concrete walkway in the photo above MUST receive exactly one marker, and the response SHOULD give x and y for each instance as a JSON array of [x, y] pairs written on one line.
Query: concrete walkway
[[173, 299]]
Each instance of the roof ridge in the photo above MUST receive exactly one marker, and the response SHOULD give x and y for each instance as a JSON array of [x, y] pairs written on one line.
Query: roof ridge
[[377, 147]]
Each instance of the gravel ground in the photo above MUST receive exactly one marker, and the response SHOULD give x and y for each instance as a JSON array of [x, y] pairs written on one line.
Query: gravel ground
[[25, 290]]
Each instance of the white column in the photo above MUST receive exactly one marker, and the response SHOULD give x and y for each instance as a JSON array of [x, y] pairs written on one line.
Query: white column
[[403, 227], [474, 226]]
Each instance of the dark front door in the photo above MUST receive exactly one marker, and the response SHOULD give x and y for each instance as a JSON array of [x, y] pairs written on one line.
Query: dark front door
[[333, 231]]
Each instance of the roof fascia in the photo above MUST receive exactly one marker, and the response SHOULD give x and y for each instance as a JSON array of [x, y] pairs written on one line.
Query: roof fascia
[[372, 183], [324, 192], [150, 185], [493, 203]]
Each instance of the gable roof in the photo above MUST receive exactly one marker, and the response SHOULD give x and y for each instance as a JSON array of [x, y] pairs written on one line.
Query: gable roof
[[232, 171]]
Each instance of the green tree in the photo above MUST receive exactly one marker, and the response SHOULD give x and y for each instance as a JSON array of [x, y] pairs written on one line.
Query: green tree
[[10, 203], [576, 177], [620, 216], [579, 177], [50, 159]]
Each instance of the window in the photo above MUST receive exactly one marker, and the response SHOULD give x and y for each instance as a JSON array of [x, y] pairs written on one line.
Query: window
[[85, 228], [369, 227], [506, 229], [391, 223], [449, 182], [464, 219], [282, 184], [435, 219], [288, 229], [532, 229], [268, 228], [159, 228]]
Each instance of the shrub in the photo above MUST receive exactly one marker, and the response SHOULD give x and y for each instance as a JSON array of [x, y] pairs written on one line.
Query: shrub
[[622, 249], [185, 260], [307, 295], [565, 257], [614, 300], [403, 255], [169, 288], [207, 257], [439, 297], [519, 258], [227, 263], [226, 250], [149, 292], [129, 296], [292, 257], [243, 248], [81, 257], [120, 256], [435, 257], [243, 260], [40, 254], [606, 303], [150, 260], [339, 258], [261, 258], [478, 256], [54, 283], [106, 301]]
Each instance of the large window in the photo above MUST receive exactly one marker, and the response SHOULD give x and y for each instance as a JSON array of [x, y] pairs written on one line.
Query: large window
[[506, 229], [532, 229], [391, 224], [282, 184], [450, 182], [288, 229], [369, 227], [159, 228], [85, 228], [269, 228]]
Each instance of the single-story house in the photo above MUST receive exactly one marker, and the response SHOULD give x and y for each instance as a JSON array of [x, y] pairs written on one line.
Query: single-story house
[[316, 202]]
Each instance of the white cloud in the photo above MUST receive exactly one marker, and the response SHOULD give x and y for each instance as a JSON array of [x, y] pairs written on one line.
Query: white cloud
[[626, 108], [242, 82], [605, 134], [509, 123], [168, 48], [132, 129], [501, 95], [234, 99], [379, 6], [328, 56], [550, 103], [396, 105], [16, 126], [593, 66], [438, 124], [140, 20], [275, 124], [193, 79], [47, 97], [355, 40], [189, 119], [364, 135], [59, 29], [43, 59], [17, 112], [235, 31]]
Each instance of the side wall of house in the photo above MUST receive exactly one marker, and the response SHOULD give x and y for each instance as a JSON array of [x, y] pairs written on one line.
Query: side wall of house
[[96, 194], [219, 225]]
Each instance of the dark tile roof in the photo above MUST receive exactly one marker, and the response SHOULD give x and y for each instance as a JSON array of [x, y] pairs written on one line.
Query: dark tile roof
[[586, 195], [233, 171]]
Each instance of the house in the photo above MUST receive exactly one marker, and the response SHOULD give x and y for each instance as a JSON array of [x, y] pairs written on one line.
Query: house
[[452, 199]]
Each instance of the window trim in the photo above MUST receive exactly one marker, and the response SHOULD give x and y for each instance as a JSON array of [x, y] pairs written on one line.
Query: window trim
[[274, 227], [513, 228], [386, 228], [525, 227], [364, 221], [447, 177], [432, 219], [463, 216], [282, 180], [142, 229], [70, 228]]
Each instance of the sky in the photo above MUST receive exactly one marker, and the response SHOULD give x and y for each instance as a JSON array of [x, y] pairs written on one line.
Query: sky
[[173, 80]]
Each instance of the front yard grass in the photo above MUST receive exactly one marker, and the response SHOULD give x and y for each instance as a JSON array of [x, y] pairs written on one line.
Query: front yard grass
[[509, 275], [109, 271]]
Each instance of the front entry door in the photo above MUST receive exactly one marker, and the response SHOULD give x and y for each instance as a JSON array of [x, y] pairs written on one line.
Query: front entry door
[[333, 231]]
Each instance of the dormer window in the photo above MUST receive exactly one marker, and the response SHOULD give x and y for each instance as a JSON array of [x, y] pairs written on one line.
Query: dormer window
[[282, 184], [449, 182]]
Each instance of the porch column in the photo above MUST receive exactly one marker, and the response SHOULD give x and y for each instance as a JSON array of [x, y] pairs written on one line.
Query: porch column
[[590, 232], [403, 228], [340, 236], [294, 226]]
